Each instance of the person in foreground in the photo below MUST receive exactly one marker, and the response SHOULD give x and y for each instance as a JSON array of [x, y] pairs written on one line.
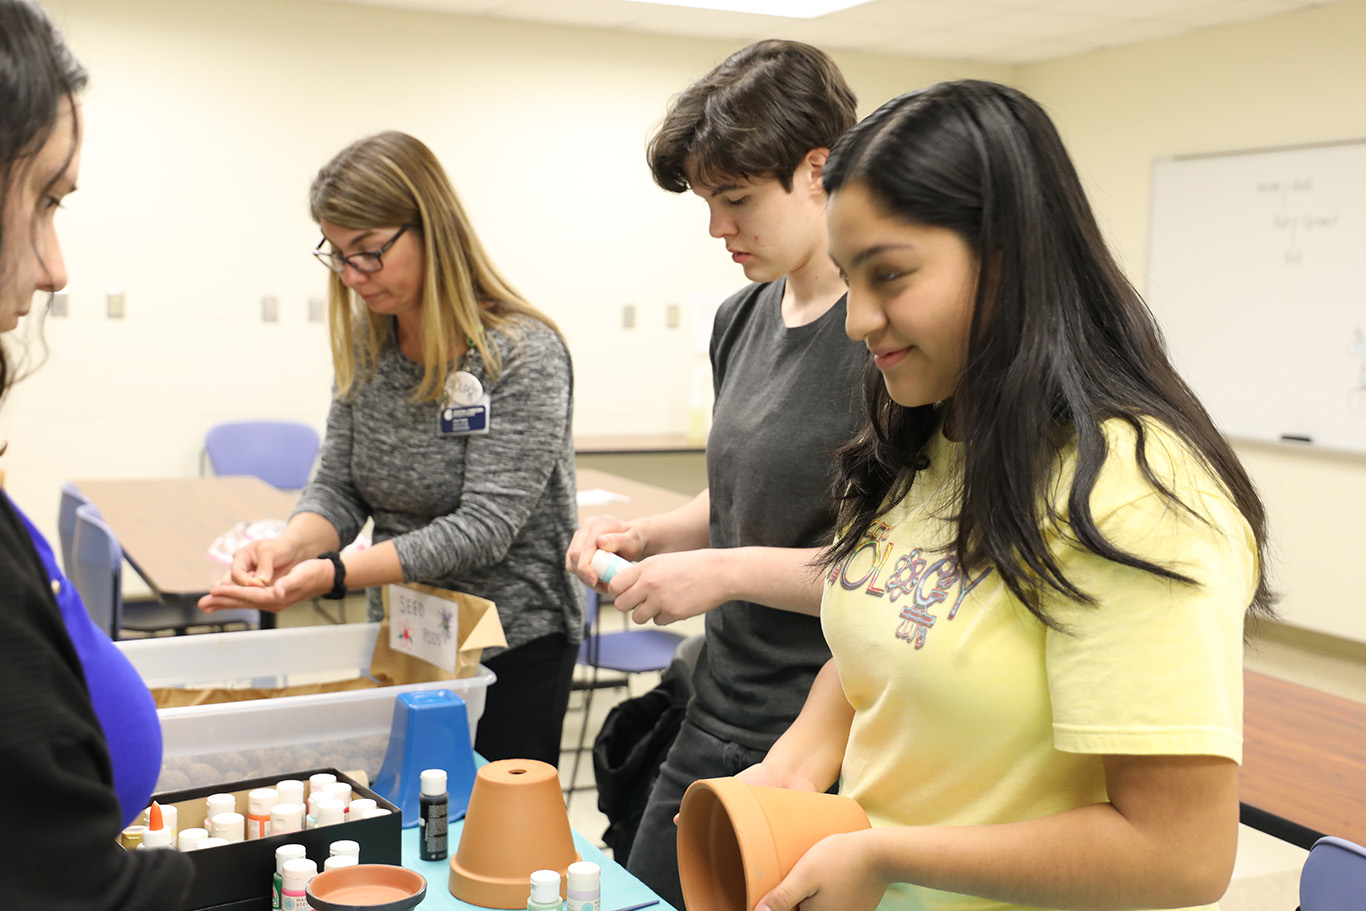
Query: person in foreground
[[450, 427], [1045, 555], [750, 138], [80, 745]]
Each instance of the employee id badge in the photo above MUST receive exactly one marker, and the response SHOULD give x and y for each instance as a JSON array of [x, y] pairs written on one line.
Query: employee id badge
[[465, 420], [466, 412]]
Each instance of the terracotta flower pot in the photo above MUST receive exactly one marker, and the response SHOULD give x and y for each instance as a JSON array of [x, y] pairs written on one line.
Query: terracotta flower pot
[[516, 824], [737, 841]]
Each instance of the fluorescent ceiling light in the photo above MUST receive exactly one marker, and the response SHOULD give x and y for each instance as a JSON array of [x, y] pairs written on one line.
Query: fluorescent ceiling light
[[788, 9]]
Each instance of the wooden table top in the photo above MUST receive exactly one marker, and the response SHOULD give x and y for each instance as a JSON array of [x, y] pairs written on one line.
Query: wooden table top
[[166, 525], [635, 443], [1304, 761], [643, 499]]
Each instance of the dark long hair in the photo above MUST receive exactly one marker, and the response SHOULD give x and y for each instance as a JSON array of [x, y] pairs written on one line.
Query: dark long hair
[[37, 72], [1060, 342]]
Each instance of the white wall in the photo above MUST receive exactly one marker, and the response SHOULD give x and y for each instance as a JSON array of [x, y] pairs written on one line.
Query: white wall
[[1292, 79], [205, 124], [208, 120]]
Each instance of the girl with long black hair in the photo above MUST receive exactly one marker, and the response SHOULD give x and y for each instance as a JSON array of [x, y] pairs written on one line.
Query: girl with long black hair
[[1045, 554]]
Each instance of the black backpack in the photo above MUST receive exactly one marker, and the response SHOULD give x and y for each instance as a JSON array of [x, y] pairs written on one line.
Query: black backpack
[[627, 753]]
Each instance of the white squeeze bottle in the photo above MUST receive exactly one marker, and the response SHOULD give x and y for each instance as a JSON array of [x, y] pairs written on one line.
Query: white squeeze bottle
[[607, 564], [584, 887], [298, 872], [283, 855]]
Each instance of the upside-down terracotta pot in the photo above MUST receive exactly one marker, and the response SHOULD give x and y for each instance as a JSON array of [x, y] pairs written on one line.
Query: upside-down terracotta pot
[[516, 824], [737, 841]]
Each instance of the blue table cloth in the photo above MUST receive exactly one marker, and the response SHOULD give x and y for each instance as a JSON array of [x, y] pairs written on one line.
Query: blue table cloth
[[619, 888]]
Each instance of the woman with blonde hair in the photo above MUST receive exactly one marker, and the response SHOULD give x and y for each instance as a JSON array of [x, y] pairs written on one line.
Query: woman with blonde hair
[[450, 428]]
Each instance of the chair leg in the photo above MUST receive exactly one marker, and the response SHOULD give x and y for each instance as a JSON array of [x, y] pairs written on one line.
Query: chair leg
[[583, 736], [337, 620]]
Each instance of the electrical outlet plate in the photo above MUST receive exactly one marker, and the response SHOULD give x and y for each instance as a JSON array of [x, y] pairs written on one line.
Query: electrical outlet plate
[[671, 316], [114, 303], [317, 309], [628, 316], [270, 309], [60, 304]]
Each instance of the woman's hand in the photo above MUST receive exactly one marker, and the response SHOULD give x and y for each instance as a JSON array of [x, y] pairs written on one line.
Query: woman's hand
[[601, 533], [259, 563], [304, 580], [839, 873], [764, 775], [669, 587]]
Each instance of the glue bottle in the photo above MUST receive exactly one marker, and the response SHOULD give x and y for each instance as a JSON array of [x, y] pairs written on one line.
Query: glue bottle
[[607, 564], [584, 887], [433, 814], [545, 892], [158, 834]]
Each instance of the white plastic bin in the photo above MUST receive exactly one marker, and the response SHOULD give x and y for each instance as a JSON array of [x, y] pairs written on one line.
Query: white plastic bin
[[349, 730]]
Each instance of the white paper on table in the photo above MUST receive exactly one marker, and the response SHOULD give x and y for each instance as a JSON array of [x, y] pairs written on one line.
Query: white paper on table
[[597, 496], [424, 626]]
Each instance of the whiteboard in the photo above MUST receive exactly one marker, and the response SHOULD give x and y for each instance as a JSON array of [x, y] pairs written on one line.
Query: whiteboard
[[1257, 273]]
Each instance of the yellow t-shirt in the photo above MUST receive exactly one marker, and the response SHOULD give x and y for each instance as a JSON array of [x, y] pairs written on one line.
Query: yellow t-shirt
[[969, 711]]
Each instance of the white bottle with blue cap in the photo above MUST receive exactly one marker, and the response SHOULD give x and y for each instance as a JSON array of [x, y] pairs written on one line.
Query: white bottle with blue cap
[[607, 564]]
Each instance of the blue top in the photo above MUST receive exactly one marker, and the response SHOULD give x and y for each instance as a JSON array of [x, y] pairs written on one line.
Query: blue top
[[122, 702]]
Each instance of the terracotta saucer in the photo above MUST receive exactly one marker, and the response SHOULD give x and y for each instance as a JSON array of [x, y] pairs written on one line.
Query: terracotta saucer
[[367, 887]]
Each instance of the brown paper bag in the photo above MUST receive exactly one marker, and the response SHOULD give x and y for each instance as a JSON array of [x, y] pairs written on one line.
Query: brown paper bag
[[479, 628]]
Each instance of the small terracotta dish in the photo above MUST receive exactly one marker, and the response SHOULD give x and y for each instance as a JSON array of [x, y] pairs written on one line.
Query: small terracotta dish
[[367, 887]]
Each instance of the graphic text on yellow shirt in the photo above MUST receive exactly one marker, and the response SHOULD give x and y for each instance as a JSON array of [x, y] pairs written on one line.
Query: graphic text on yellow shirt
[[914, 575]]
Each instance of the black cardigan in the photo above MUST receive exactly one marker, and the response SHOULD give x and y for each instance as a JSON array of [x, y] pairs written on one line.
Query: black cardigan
[[59, 815]]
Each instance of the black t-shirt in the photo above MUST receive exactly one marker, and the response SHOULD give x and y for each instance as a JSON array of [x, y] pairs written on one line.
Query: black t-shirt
[[786, 398]]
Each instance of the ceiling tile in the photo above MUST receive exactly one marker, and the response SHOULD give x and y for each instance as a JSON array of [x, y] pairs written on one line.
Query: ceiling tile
[[947, 44], [1129, 33], [458, 7], [703, 23], [998, 31], [1121, 9], [914, 13], [1226, 12], [593, 13], [1025, 25], [826, 33]]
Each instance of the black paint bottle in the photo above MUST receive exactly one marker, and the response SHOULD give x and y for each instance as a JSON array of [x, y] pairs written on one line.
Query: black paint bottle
[[433, 815]]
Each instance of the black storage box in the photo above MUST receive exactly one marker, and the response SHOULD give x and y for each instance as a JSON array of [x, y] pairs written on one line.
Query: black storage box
[[237, 877]]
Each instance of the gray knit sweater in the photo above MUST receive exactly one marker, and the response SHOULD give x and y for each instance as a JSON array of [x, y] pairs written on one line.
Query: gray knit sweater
[[489, 515]]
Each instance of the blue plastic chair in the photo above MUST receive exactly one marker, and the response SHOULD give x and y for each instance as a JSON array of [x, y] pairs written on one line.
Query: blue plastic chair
[[1334, 876], [72, 499], [97, 572], [627, 652], [281, 453]]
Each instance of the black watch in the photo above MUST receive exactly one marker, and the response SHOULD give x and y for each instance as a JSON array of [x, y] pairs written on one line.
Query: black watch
[[338, 576]]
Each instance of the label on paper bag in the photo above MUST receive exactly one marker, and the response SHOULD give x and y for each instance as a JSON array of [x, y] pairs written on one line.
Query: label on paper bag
[[424, 626]]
